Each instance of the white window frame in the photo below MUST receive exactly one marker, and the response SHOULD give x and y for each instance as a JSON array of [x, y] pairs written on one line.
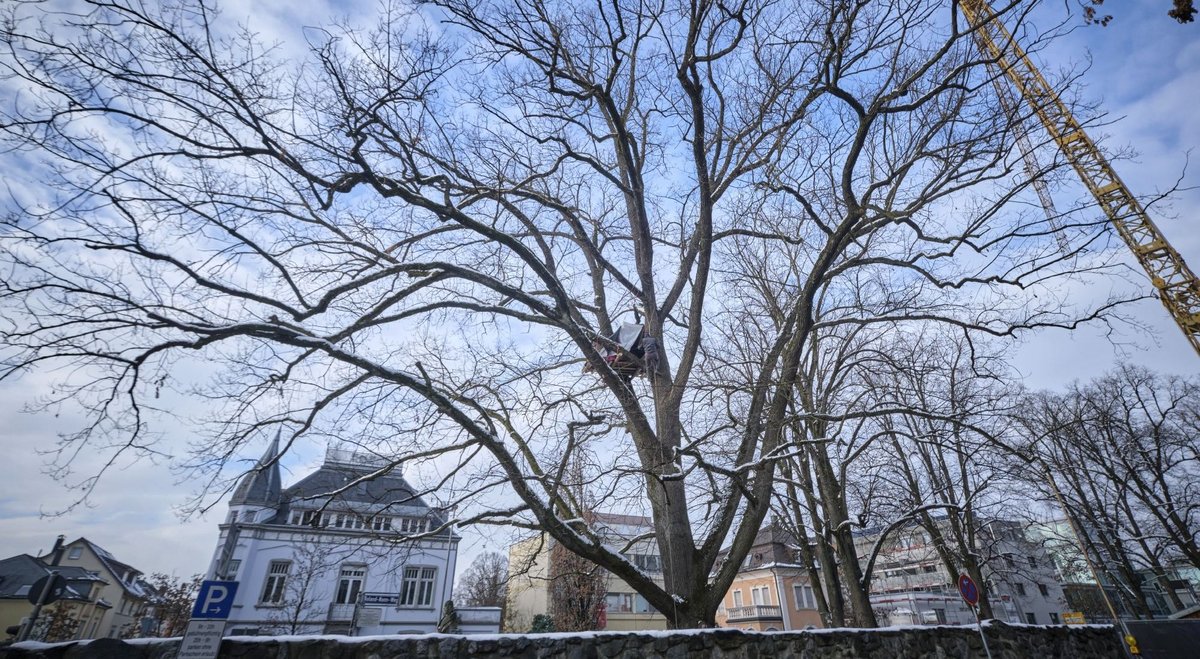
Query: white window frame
[[413, 525], [760, 595], [619, 602], [418, 587], [303, 517], [737, 598], [805, 598], [354, 577], [642, 605], [274, 587]]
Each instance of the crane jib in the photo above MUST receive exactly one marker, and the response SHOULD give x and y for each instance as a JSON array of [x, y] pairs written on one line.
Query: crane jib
[[1177, 286]]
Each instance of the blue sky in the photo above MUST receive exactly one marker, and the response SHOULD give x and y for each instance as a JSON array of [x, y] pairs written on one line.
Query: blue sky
[[1144, 71]]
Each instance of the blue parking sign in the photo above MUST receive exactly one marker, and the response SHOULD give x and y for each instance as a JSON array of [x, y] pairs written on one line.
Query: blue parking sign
[[215, 600]]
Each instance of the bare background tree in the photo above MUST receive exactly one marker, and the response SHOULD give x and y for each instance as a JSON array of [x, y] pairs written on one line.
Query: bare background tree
[[172, 599], [576, 591], [1121, 454], [56, 624], [419, 237], [485, 582]]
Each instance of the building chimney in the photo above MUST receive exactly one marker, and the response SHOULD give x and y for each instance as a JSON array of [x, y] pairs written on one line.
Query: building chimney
[[56, 554]]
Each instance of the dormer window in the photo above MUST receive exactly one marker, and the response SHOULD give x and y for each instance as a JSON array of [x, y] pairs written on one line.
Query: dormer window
[[303, 517], [412, 525], [381, 523]]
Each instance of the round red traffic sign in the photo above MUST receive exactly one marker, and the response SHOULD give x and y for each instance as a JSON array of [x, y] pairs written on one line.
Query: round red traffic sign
[[968, 589]]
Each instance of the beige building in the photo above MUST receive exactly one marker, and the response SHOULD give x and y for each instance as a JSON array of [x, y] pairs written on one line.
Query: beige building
[[77, 614], [624, 609], [124, 591], [772, 591], [528, 592]]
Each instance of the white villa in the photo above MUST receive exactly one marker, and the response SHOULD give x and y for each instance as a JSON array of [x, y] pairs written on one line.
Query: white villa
[[349, 549]]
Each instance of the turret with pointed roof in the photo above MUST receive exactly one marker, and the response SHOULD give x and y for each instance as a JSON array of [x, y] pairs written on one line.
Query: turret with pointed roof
[[262, 486]]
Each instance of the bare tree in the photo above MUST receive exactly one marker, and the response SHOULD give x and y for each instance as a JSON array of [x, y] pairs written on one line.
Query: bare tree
[[485, 582], [1120, 454], [172, 599], [577, 588], [303, 602], [57, 623], [418, 237], [941, 463]]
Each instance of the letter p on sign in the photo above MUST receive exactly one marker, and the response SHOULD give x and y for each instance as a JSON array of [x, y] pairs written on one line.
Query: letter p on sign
[[215, 600]]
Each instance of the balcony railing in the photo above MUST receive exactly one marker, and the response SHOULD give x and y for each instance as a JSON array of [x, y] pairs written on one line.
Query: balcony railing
[[757, 612], [341, 612]]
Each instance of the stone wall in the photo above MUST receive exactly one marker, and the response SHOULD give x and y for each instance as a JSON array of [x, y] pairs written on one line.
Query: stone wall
[[1005, 642]]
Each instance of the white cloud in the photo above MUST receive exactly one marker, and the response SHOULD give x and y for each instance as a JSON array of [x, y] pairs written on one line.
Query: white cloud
[[1145, 73], [131, 512]]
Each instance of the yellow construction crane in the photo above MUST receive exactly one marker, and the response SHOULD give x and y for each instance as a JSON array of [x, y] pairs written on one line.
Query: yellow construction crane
[[1177, 286]]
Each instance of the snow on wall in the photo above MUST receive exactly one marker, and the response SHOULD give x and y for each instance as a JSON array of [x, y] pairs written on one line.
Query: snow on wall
[[1005, 641]]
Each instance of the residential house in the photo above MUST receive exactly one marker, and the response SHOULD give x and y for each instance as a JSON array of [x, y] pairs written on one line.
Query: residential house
[[911, 584], [349, 549], [531, 575], [77, 614], [124, 588], [772, 590]]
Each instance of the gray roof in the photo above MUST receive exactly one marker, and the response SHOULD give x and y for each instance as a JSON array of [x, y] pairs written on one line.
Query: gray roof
[[773, 545], [18, 573], [262, 484], [372, 486], [389, 488]]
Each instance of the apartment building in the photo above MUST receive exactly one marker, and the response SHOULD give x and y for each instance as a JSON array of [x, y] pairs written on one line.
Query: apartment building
[[911, 584]]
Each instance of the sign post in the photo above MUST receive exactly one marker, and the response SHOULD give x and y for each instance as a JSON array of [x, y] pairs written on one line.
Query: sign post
[[202, 640], [970, 594], [44, 591]]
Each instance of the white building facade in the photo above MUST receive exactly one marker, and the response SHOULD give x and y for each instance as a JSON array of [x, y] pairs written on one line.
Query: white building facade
[[348, 549]]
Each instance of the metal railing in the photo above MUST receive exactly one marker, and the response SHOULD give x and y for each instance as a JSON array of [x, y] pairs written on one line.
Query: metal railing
[[341, 612]]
